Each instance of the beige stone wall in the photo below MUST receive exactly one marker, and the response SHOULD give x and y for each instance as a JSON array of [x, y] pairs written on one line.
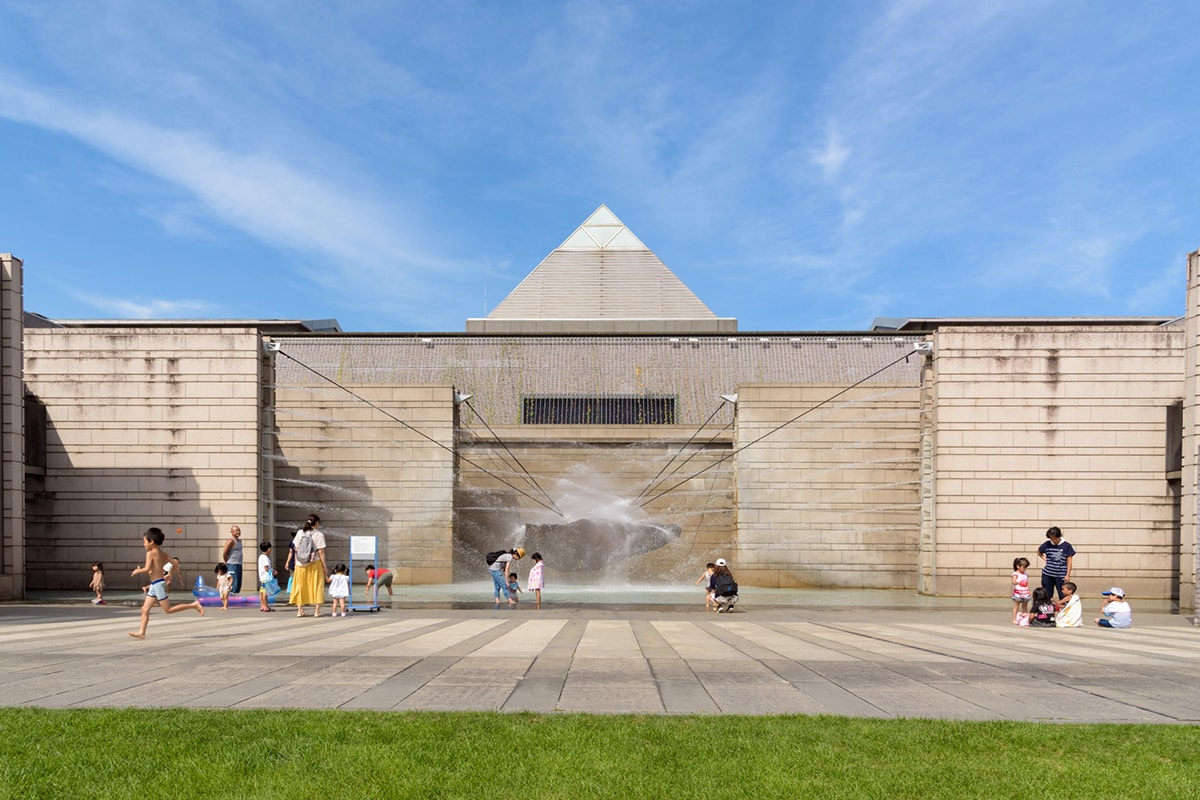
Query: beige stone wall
[[829, 499], [1064, 426], [370, 461], [639, 474], [12, 432], [146, 427], [1189, 591]]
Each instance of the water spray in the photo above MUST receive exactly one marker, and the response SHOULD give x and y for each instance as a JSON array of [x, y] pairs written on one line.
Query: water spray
[[466, 399]]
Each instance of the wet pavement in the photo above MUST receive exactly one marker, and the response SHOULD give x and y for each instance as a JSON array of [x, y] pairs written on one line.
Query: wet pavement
[[862, 654]]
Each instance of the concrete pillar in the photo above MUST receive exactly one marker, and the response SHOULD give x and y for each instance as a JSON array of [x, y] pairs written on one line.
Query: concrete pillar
[[1189, 594], [12, 431]]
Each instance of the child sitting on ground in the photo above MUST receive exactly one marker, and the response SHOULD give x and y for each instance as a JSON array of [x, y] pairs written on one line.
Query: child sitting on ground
[[1070, 610], [1117, 613], [1041, 615], [514, 588]]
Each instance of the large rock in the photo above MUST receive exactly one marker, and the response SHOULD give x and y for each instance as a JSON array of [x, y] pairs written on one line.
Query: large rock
[[592, 545]]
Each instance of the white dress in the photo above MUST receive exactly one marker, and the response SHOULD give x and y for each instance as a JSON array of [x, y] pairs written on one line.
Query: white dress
[[339, 586]]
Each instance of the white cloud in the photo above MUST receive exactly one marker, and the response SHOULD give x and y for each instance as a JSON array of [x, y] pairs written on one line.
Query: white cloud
[[116, 307], [833, 155]]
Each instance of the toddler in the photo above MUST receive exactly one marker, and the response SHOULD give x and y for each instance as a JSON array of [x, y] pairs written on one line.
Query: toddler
[[1020, 589], [1042, 613], [536, 580], [514, 588], [224, 584], [268, 586], [339, 589], [97, 584], [710, 600]]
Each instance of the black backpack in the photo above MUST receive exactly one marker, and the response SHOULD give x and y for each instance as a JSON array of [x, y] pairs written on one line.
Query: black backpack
[[492, 556], [725, 585]]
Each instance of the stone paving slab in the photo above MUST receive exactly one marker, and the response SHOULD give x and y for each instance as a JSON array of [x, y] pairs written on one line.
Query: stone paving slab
[[960, 664]]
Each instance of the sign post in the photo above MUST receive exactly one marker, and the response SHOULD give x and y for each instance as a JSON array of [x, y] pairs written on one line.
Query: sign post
[[363, 548]]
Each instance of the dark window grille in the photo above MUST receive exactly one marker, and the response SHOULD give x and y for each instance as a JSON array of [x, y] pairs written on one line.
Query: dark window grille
[[36, 424], [1175, 437], [629, 410]]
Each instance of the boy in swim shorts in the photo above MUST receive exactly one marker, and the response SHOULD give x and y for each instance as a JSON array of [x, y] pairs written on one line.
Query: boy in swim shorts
[[158, 563]]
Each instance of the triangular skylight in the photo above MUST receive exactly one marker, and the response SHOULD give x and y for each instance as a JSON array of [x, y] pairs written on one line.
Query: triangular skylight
[[602, 231]]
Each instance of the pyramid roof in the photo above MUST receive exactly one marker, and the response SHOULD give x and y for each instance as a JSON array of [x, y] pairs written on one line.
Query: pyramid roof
[[601, 279]]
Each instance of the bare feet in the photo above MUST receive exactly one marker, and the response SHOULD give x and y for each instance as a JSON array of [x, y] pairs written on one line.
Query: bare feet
[[137, 635], [200, 608]]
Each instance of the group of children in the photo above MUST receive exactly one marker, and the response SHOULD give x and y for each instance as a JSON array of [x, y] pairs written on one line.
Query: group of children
[[534, 583], [160, 567], [1039, 609]]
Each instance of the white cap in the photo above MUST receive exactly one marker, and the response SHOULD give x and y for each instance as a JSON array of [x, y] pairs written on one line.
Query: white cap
[[720, 562], [1117, 590]]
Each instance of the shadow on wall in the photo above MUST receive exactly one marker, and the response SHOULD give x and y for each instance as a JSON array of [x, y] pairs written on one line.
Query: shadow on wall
[[346, 505], [76, 516]]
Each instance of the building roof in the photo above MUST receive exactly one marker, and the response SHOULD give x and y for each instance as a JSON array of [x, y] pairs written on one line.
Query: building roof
[[915, 324], [602, 279]]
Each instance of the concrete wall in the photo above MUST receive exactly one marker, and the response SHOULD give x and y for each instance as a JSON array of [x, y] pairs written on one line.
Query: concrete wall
[[830, 498], [146, 427], [1189, 590], [638, 474], [12, 432], [370, 461], [1063, 426]]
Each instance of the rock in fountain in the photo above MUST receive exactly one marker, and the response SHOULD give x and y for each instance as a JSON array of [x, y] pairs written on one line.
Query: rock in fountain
[[591, 545]]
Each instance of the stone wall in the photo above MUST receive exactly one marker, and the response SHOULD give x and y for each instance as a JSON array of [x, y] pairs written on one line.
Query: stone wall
[[827, 485], [624, 475], [370, 461], [1065, 426], [1189, 591], [12, 432], [146, 427]]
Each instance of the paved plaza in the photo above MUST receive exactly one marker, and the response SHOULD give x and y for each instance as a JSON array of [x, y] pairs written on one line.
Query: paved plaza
[[882, 660]]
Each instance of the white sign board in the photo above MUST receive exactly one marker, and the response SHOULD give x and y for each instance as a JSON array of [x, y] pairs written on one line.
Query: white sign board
[[362, 547]]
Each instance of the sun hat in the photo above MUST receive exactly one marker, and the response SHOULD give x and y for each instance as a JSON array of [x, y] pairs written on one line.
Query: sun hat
[[1117, 590], [520, 552], [720, 562]]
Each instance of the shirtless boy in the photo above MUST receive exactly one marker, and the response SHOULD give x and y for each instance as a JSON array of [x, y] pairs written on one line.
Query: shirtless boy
[[157, 562]]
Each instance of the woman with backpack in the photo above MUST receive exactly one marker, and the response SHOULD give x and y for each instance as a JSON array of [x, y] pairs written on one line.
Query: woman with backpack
[[723, 587], [311, 572], [497, 564]]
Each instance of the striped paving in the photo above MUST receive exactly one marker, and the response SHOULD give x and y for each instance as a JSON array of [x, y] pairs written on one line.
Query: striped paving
[[865, 663]]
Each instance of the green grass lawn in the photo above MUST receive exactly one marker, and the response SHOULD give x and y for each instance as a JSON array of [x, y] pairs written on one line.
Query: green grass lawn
[[178, 753]]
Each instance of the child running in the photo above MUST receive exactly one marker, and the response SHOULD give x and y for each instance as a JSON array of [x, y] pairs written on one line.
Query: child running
[[339, 589], [536, 579], [1020, 589], [156, 564], [224, 584], [97, 584]]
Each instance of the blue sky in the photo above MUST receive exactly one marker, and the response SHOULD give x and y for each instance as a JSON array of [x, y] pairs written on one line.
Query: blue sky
[[402, 166]]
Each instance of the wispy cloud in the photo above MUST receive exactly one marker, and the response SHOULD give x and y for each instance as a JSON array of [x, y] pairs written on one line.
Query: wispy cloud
[[144, 308]]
